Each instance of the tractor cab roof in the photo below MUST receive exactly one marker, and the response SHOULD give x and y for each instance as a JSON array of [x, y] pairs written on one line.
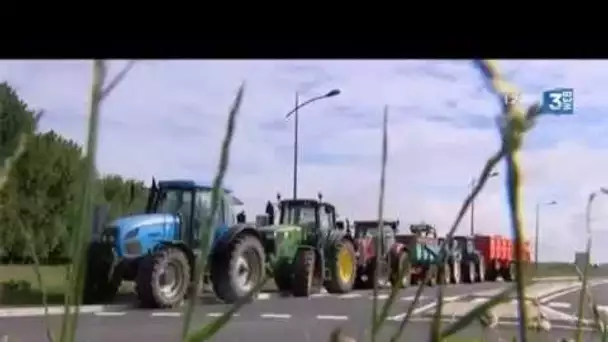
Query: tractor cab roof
[[303, 202], [423, 228], [190, 184]]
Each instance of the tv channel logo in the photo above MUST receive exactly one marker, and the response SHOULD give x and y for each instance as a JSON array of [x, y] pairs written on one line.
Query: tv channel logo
[[559, 101]]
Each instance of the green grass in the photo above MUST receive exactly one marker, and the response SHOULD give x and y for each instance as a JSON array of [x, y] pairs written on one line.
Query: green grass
[[19, 287]]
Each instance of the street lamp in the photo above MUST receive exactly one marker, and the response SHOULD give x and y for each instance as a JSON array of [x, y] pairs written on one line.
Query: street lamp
[[472, 186], [295, 111], [581, 304], [537, 229]]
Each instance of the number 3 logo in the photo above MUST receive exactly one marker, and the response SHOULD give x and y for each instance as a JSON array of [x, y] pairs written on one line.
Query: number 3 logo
[[556, 101]]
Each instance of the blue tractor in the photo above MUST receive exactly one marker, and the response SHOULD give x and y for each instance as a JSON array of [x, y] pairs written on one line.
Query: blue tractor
[[157, 249]]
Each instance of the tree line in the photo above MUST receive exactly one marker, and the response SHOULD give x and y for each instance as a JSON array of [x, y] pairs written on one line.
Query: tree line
[[42, 192]]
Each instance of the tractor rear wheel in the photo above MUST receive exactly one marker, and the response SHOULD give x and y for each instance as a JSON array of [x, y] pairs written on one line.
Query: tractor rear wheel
[[480, 268], [508, 272], [443, 274], [101, 279], [303, 272], [468, 272], [163, 278], [455, 272], [241, 269], [342, 267], [431, 275], [401, 270]]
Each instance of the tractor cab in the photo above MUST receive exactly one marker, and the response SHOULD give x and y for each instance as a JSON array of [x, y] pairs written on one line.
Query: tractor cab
[[190, 203], [368, 231], [315, 215]]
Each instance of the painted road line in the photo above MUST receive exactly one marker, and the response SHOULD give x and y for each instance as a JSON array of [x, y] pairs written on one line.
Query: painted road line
[[426, 307], [274, 315], [559, 305], [380, 296], [52, 310], [349, 295], [332, 317], [219, 314], [263, 296], [411, 298], [166, 314], [319, 295], [109, 313]]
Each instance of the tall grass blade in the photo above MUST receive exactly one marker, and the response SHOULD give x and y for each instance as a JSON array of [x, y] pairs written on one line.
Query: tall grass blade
[[81, 235], [209, 226], [379, 241]]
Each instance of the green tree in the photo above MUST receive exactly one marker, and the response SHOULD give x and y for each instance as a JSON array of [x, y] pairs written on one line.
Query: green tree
[[15, 118], [124, 196], [41, 195]]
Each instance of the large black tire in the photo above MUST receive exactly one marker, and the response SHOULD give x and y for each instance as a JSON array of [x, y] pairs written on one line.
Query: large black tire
[[303, 272], [150, 286], [443, 274], [431, 273], [342, 276], [367, 278], [508, 273], [468, 272], [455, 272], [480, 268], [244, 258], [401, 271], [102, 280]]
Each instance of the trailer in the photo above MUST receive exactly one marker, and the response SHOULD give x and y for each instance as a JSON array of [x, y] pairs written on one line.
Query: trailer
[[497, 254]]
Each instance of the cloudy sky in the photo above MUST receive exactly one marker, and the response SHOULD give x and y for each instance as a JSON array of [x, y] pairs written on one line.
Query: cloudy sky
[[168, 117]]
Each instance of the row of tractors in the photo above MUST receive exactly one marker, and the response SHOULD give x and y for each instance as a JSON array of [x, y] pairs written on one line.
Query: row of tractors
[[300, 241]]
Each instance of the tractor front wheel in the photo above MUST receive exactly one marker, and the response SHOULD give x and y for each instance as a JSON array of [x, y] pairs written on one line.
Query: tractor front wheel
[[101, 279], [401, 270], [342, 266], [303, 272], [163, 278], [240, 271]]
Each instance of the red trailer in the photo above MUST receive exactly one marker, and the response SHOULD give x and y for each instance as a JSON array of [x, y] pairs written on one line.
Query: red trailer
[[498, 255]]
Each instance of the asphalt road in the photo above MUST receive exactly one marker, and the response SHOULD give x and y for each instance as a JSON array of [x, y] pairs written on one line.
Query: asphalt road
[[272, 318]]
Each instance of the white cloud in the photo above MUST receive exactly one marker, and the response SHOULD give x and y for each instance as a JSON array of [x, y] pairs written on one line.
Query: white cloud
[[167, 120]]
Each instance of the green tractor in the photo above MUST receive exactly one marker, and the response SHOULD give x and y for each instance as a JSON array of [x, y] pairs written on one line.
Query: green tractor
[[308, 249]]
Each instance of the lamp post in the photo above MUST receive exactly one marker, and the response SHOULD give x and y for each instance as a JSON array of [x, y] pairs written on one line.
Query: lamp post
[[295, 111], [471, 187], [581, 304], [537, 229]]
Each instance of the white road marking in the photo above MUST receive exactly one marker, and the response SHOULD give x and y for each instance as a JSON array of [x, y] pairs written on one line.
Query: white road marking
[[104, 313], [166, 314], [411, 298], [219, 314], [560, 293], [263, 296], [561, 305], [317, 295], [332, 317], [426, 307], [379, 296], [52, 310], [274, 315], [350, 295]]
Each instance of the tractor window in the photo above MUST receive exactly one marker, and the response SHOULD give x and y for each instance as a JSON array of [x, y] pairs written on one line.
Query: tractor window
[[173, 201], [299, 215], [324, 220], [202, 205]]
